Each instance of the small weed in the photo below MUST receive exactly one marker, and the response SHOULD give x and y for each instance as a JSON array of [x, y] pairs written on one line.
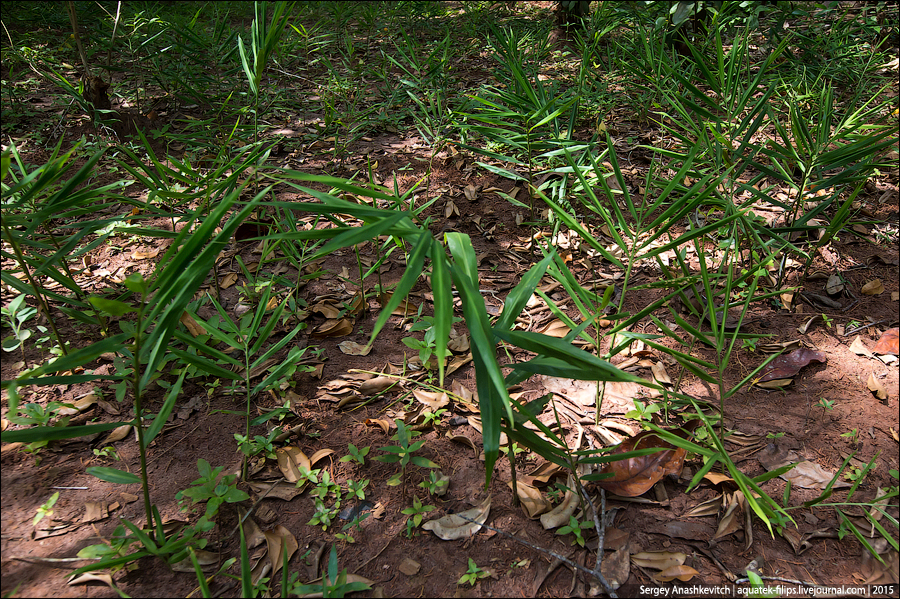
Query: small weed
[[415, 513], [46, 509], [473, 574], [825, 404], [403, 452], [851, 435], [210, 489], [259, 444], [355, 488], [356, 455], [434, 483], [108, 452], [332, 585], [641, 412], [575, 527]]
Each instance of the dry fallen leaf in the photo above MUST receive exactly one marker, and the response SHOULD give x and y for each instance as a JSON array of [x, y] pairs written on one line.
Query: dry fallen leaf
[[333, 328], [888, 342], [873, 287], [788, 365], [352, 348], [859, 348], [876, 387], [635, 476], [460, 526], [560, 514]]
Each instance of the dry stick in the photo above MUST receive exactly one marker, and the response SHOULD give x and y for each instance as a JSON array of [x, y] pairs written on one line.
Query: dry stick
[[595, 573]]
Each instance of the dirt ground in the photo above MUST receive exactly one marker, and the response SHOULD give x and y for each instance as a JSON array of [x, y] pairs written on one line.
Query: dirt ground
[[771, 422]]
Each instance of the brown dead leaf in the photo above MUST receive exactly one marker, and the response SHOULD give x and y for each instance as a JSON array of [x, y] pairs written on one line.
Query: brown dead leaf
[[144, 254], [788, 365], [326, 308], [333, 328], [532, 501], [873, 287], [471, 192], [859, 348], [876, 387], [291, 461], [659, 373], [432, 399], [228, 280], [352, 348], [377, 385], [809, 475], [460, 526], [658, 560], [192, 326], [556, 328], [682, 573], [635, 476], [888, 342]]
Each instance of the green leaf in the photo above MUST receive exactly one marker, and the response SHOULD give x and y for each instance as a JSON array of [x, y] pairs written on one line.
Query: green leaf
[[113, 475]]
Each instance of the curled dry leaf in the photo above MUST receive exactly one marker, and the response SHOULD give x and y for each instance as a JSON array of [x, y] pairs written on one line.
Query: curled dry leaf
[[532, 500], [873, 287], [193, 328], [834, 285], [333, 328], [291, 461], [279, 490], [326, 309], [859, 348], [117, 434], [460, 526], [659, 373], [634, 476], [377, 385], [560, 514], [464, 440], [788, 365], [876, 387], [775, 383], [79, 405]]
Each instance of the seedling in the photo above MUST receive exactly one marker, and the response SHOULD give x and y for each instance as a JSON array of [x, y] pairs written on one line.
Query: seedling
[[825, 404], [258, 444], [355, 488], [210, 489], [641, 412], [851, 435], [356, 455], [16, 314], [575, 527], [107, 452], [473, 574], [403, 453], [415, 513], [333, 585], [46, 509], [433, 483]]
